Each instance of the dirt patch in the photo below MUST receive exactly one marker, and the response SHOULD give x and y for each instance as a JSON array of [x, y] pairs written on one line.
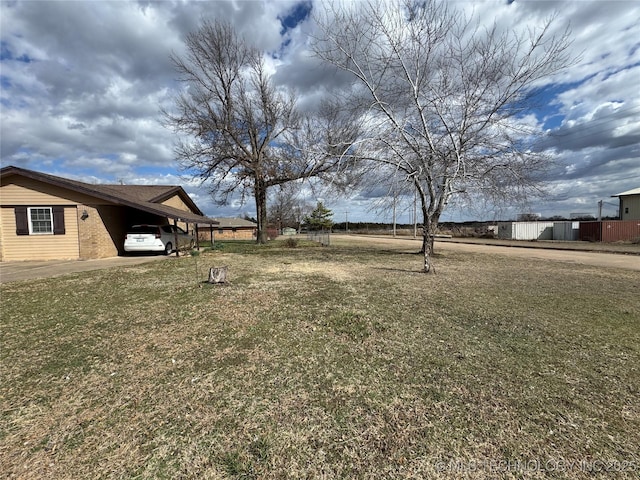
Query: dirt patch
[[331, 270]]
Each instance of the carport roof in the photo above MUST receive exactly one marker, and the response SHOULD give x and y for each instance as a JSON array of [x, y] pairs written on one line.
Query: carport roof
[[141, 197]]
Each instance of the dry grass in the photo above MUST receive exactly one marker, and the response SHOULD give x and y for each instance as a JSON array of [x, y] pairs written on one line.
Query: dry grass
[[312, 362]]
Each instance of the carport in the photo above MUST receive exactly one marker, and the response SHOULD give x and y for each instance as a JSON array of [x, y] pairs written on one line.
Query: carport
[[193, 220]]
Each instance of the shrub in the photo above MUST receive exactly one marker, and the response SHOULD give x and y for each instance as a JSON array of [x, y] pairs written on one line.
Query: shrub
[[291, 242]]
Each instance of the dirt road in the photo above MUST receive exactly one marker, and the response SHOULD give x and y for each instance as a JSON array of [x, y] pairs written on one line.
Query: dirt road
[[597, 259]]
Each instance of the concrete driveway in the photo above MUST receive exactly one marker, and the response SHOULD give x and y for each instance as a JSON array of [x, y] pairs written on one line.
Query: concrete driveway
[[29, 270]]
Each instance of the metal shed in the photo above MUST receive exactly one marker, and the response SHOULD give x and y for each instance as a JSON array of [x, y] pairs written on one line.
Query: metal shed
[[525, 230], [566, 231]]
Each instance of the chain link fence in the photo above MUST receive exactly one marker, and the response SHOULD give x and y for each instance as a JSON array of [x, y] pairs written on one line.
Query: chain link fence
[[323, 238]]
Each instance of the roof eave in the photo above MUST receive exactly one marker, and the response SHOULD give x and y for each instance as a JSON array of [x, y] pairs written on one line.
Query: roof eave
[[633, 191], [149, 207]]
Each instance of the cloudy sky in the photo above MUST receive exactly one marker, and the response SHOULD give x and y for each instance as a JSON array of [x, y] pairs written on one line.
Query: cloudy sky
[[83, 83]]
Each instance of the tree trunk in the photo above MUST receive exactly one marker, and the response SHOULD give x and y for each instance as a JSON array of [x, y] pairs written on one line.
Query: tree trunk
[[261, 211], [427, 248], [218, 274], [429, 226]]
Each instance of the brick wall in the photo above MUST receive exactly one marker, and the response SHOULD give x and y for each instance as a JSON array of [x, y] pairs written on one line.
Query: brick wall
[[101, 231], [227, 234]]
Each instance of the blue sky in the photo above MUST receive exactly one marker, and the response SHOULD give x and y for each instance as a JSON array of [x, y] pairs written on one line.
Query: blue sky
[[82, 85]]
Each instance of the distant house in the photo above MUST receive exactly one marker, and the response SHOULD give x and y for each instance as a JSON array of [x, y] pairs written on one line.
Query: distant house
[[629, 204], [45, 217], [229, 229]]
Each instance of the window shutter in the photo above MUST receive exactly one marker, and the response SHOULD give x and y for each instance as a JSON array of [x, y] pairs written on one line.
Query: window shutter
[[58, 220], [22, 223]]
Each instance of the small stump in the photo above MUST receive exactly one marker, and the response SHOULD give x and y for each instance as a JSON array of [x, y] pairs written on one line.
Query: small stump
[[218, 274]]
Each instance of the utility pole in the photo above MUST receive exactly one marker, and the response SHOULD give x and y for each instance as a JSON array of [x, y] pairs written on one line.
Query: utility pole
[[346, 221], [600, 210], [415, 213], [395, 198]]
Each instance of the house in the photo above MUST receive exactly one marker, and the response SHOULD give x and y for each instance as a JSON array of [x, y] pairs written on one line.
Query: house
[[45, 217], [629, 204], [229, 229]]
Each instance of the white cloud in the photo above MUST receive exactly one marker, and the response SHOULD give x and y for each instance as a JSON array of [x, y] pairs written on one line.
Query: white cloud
[[83, 84]]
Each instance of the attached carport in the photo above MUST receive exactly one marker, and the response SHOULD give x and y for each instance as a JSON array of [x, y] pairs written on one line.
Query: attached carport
[[124, 210], [189, 219], [98, 220]]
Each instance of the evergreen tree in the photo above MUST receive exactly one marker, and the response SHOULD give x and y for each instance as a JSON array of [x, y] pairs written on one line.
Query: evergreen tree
[[320, 218]]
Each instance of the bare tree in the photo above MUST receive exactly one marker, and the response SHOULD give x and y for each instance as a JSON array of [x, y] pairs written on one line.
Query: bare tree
[[393, 194], [445, 98], [241, 132], [284, 203]]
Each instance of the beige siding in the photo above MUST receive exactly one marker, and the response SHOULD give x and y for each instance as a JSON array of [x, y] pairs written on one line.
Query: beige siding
[[177, 202], [1, 242], [38, 247], [632, 203]]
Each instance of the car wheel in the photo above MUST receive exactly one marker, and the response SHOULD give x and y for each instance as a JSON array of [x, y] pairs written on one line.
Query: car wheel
[[168, 248]]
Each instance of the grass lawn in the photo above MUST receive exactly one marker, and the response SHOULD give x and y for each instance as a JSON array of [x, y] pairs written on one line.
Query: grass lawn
[[313, 362]]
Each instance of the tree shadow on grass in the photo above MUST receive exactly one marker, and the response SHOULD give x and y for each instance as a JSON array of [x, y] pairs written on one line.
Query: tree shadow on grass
[[413, 252], [418, 255], [401, 270]]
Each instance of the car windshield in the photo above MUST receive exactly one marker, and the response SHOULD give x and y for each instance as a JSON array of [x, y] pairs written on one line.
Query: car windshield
[[152, 229]]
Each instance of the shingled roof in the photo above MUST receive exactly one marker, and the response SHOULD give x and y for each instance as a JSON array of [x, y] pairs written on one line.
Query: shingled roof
[[142, 197]]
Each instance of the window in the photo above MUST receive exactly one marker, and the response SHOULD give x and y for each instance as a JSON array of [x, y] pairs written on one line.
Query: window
[[40, 220], [143, 229], [626, 209]]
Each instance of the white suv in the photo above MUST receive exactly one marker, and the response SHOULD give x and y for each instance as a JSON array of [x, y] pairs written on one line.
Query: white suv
[[156, 238]]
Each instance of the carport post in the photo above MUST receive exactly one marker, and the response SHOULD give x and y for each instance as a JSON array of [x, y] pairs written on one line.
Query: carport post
[[175, 236], [197, 237]]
